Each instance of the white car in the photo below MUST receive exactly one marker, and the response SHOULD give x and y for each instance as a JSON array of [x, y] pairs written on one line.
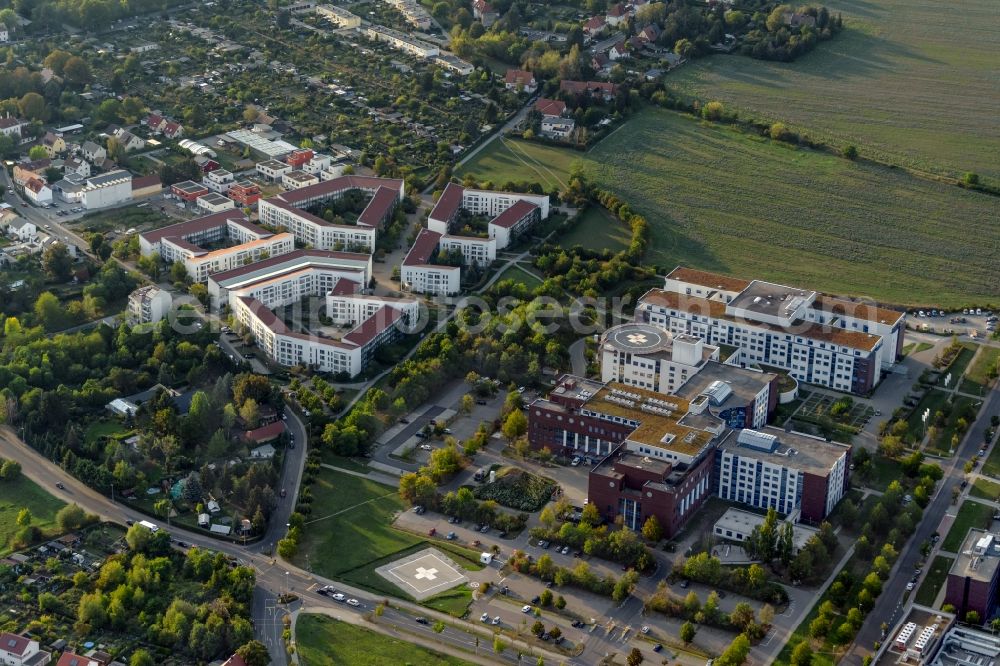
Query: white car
[[426, 447], [339, 597], [525, 609], [909, 586], [485, 617], [496, 620], [353, 602]]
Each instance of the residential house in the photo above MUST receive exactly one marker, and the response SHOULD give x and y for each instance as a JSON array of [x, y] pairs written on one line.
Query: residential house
[[265, 434], [78, 166], [25, 171], [619, 51], [21, 229], [128, 140], [11, 126], [4, 34], [594, 26], [797, 20], [38, 192], [601, 63], [602, 89], [173, 130], [94, 153], [21, 651], [518, 79], [485, 12], [245, 193], [206, 163], [649, 34], [617, 15], [73, 659], [550, 107], [557, 128], [53, 144], [155, 122]]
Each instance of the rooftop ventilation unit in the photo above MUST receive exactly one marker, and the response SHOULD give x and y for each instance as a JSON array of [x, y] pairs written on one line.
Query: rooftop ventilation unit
[[754, 439]]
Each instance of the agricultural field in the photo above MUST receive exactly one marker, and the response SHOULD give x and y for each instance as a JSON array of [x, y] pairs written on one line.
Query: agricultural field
[[323, 641], [907, 82], [725, 201]]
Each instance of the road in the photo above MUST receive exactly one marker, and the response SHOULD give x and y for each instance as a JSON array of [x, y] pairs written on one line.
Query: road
[[273, 577], [888, 608]]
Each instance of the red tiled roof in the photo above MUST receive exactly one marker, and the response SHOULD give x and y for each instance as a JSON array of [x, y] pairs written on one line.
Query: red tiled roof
[[514, 214], [423, 248], [10, 121], [449, 202], [550, 107], [35, 185], [290, 257], [72, 659], [515, 76], [382, 202], [867, 311], [578, 87], [617, 10], [235, 660], [383, 318], [266, 433], [171, 128], [595, 23], [345, 287], [330, 187], [194, 226], [13, 643]]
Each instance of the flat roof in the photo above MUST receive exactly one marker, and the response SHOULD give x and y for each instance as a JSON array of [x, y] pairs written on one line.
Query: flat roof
[[646, 339], [221, 252], [743, 522], [857, 309], [771, 299], [214, 198], [189, 187], [743, 383], [274, 165], [792, 449], [301, 176], [979, 556], [717, 310], [707, 279], [514, 214]]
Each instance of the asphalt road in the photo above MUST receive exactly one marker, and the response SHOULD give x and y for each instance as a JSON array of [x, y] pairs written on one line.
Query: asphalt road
[[889, 608]]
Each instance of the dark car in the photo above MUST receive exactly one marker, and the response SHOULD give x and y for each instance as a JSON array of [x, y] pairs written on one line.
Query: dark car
[[60, 486], [657, 647], [404, 420], [421, 620], [480, 402], [535, 599]]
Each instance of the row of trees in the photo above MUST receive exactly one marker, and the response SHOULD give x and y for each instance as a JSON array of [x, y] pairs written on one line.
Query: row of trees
[[579, 576]]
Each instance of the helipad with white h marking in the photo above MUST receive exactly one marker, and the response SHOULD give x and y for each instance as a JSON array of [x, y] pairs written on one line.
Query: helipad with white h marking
[[423, 574]]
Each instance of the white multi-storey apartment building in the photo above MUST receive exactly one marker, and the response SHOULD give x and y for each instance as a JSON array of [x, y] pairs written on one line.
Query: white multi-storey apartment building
[[512, 213], [219, 180], [420, 276], [816, 338], [285, 210], [353, 308], [180, 242], [651, 358], [288, 278], [475, 251], [148, 304], [789, 472]]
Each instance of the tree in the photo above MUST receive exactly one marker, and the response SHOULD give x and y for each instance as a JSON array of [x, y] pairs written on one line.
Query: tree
[[802, 655], [498, 645], [712, 111], [515, 425], [742, 615], [970, 178], [33, 107], [736, 653], [24, 517], [76, 71], [250, 413], [254, 653], [37, 153], [851, 153], [57, 262], [10, 469], [688, 631], [971, 617], [142, 658], [70, 517], [651, 529], [634, 657]]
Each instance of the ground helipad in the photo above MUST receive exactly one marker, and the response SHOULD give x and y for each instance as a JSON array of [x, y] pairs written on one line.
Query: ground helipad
[[423, 574]]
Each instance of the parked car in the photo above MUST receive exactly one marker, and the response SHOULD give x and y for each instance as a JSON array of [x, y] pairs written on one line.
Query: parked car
[[339, 596], [496, 620], [485, 617], [450, 536], [353, 602], [525, 608]]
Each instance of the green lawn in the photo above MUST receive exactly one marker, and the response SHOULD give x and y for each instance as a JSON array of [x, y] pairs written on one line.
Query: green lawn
[[916, 348], [992, 465], [935, 578], [349, 546], [522, 276], [103, 428], [20, 493], [976, 377], [883, 472], [323, 641], [970, 514], [597, 229], [909, 82], [725, 201], [985, 489], [958, 365]]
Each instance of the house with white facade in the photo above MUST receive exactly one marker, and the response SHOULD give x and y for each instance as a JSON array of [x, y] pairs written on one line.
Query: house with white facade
[[419, 275], [38, 192], [512, 213], [148, 304], [219, 180], [16, 650]]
